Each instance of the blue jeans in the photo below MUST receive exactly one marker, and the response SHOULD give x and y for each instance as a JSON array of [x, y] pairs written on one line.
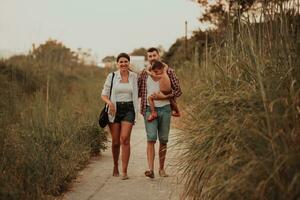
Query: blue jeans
[[160, 126]]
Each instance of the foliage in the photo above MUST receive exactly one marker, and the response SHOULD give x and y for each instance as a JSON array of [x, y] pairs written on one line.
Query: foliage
[[109, 59], [240, 129], [221, 13], [54, 53], [43, 143], [139, 52]]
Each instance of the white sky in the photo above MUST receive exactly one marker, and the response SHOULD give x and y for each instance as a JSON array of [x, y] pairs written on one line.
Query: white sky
[[108, 27]]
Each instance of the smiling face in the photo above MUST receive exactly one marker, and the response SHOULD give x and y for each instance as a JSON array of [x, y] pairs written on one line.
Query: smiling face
[[123, 64], [152, 56]]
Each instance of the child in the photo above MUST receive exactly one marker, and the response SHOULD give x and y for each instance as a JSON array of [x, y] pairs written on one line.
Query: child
[[158, 72]]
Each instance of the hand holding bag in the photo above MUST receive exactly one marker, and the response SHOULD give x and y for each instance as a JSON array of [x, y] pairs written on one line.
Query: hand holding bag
[[103, 117]]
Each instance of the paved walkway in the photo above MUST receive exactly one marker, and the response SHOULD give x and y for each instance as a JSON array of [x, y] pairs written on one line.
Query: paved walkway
[[96, 182]]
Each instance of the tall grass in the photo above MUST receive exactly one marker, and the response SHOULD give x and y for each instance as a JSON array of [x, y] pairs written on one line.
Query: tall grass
[[41, 153], [241, 128]]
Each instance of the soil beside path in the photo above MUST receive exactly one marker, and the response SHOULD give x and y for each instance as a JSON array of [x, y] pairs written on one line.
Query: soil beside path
[[96, 182]]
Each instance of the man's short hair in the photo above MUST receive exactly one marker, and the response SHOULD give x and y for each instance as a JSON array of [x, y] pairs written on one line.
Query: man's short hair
[[152, 49], [157, 65]]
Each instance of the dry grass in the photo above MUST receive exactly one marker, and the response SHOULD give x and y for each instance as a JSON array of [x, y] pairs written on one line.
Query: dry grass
[[241, 128], [41, 153]]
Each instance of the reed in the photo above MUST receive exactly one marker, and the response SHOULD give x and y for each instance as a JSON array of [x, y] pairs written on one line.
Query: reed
[[41, 153], [240, 135]]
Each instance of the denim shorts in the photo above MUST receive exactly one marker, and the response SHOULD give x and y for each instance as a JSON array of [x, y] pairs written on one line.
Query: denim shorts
[[125, 112], [160, 126]]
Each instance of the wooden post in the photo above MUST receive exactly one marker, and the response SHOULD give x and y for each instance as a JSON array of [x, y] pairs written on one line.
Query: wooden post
[[47, 101], [196, 61], [206, 51], [186, 45]]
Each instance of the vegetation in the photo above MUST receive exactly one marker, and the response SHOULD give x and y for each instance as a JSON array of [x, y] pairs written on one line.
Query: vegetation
[[139, 52], [48, 121], [241, 127]]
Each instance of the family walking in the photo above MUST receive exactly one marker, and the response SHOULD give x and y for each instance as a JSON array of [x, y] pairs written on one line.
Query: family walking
[[157, 87]]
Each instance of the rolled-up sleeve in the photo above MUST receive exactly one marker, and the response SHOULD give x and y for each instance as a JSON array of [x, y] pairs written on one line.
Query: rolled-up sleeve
[[106, 86], [139, 85], [176, 89]]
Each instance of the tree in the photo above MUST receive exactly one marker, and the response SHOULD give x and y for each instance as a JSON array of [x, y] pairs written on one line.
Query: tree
[[54, 54], [218, 12], [139, 52], [108, 59]]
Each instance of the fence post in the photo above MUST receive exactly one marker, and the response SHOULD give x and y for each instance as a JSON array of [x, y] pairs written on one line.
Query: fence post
[[196, 61]]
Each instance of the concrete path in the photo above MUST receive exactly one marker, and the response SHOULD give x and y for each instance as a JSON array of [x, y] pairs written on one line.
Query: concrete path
[[96, 182]]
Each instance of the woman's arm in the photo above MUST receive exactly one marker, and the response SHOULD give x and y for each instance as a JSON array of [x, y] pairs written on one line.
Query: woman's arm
[[106, 99], [106, 86], [112, 109], [106, 92]]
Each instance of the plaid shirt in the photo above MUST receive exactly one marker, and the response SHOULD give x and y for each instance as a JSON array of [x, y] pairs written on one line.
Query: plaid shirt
[[142, 87]]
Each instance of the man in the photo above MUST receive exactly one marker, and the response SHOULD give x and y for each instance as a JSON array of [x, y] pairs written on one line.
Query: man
[[159, 127]]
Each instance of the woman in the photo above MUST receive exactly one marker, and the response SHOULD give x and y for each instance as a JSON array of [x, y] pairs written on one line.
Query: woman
[[122, 109]]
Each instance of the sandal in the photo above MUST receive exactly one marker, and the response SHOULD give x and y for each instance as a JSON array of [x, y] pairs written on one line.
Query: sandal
[[162, 173], [149, 173], [125, 177]]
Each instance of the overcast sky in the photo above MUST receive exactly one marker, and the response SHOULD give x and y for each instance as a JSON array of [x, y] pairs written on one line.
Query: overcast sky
[[106, 26]]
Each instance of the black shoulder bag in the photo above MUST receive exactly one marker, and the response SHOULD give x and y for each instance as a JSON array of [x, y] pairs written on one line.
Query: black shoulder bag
[[103, 117]]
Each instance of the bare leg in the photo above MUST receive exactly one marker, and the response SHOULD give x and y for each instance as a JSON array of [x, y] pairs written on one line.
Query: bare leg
[[126, 128], [150, 154], [115, 145], [162, 155], [162, 158], [150, 157], [174, 107], [152, 108], [173, 104]]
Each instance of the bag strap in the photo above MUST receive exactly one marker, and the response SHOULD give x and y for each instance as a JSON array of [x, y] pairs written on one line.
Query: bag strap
[[111, 85]]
